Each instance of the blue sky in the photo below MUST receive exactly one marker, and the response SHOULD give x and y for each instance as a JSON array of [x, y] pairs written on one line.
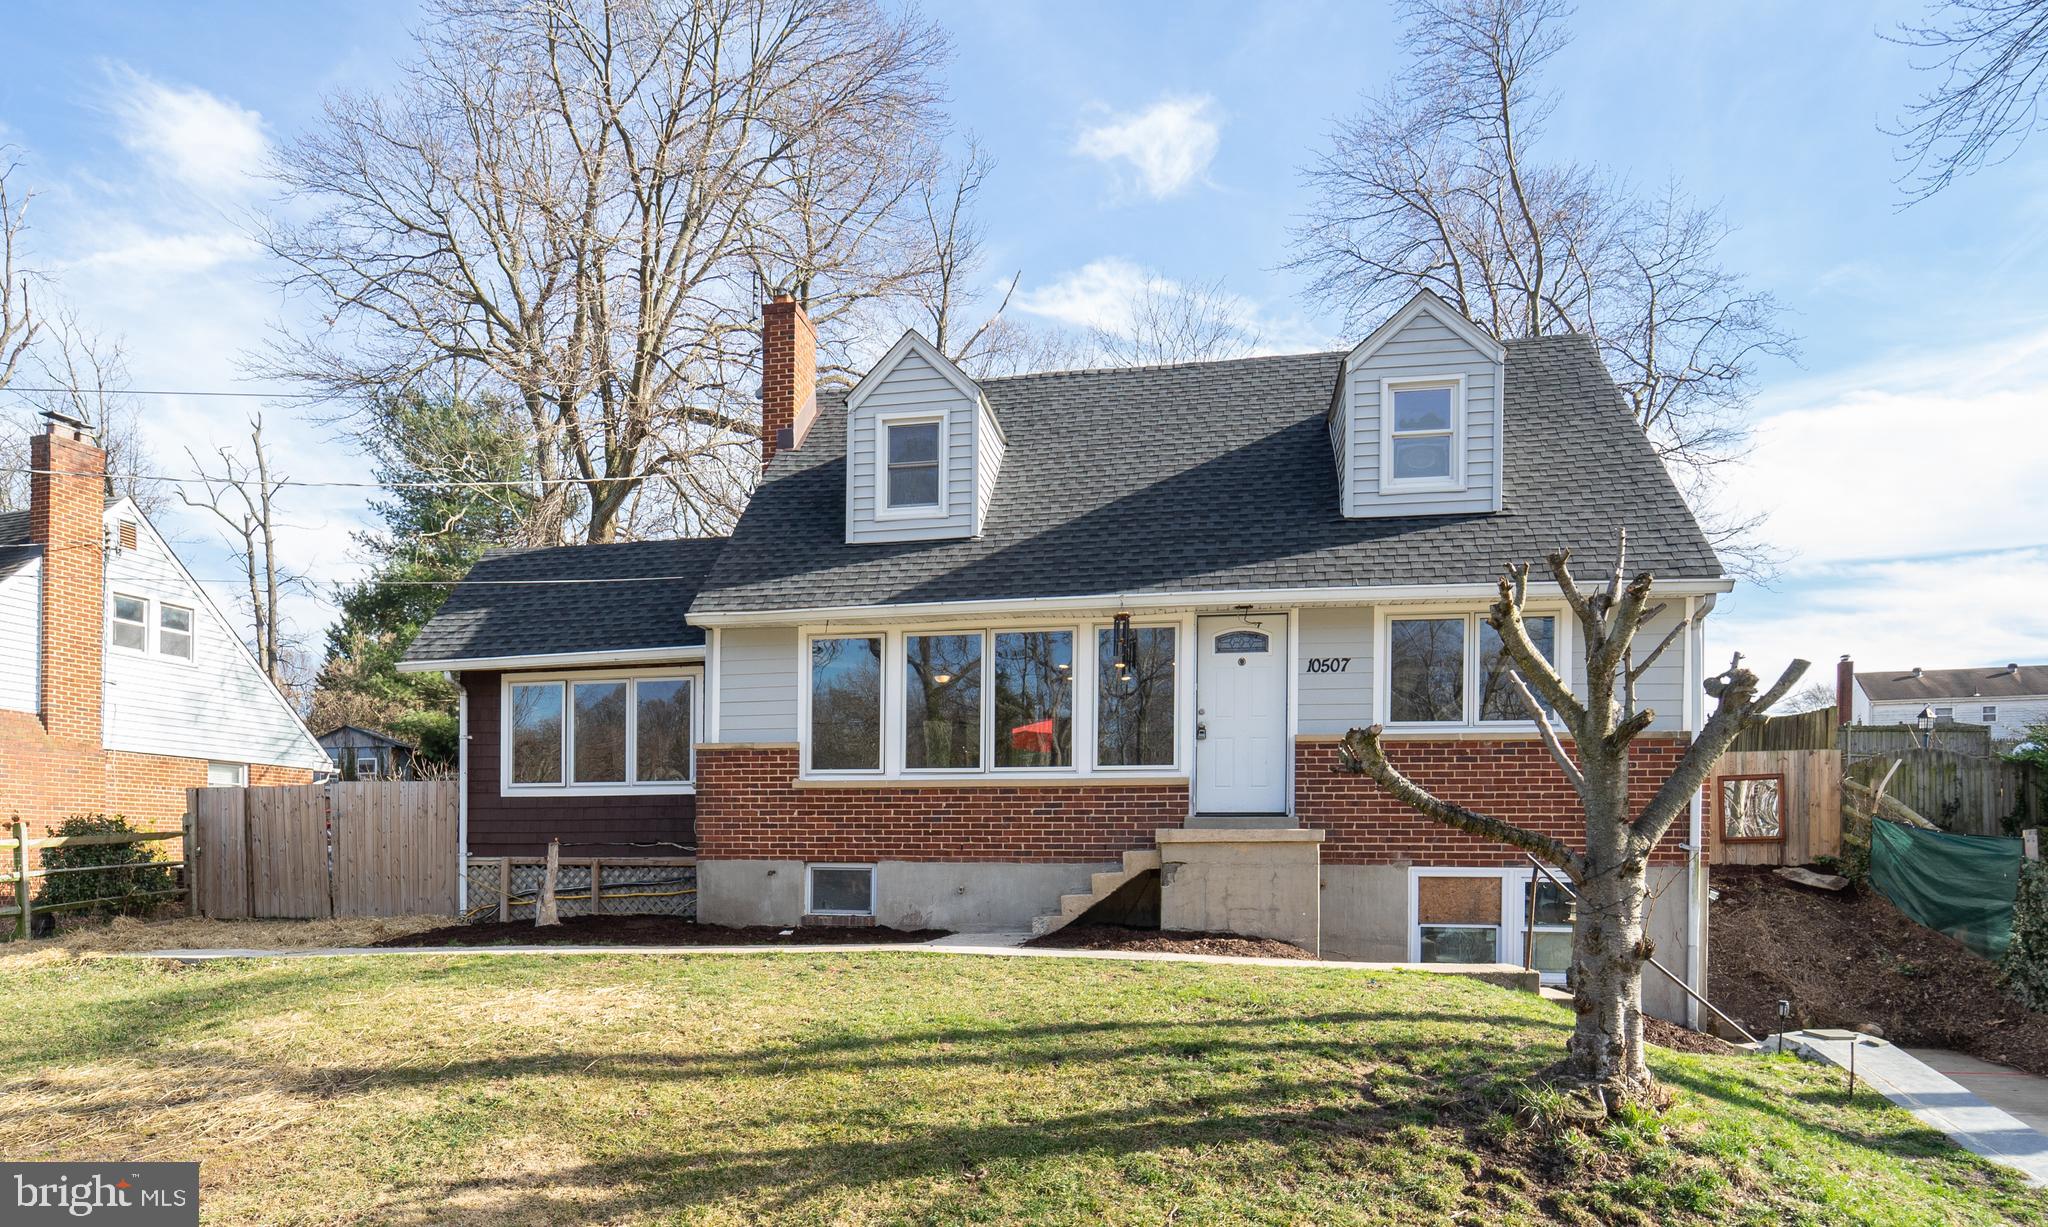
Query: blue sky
[[1901, 457]]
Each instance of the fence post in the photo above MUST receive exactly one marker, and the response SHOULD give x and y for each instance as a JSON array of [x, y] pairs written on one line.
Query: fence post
[[544, 901], [2030, 843], [191, 861], [22, 881]]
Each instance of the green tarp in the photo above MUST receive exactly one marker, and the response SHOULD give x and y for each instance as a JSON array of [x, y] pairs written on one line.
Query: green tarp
[[1962, 885]]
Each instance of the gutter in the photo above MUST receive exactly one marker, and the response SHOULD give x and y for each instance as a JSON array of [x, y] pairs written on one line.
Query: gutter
[[461, 798], [549, 660]]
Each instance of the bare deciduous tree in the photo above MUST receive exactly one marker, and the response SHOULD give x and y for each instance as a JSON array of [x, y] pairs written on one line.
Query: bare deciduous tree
[[242, 495], [1992, 58], [87, 377], [18, 325], [1172, 321], [1812, 697], [1609, 944], [579, 205], [1434, 184]]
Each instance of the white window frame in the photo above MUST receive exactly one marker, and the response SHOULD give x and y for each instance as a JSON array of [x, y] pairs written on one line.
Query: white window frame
[[241, 774], [884, 510], [148, 612], [1383, 664], [694, 674], [376, 767], [1086, 693], [1990, 713], [156, 624], [1506, 948], [874, 889], [1452, 482], [1945, 715]]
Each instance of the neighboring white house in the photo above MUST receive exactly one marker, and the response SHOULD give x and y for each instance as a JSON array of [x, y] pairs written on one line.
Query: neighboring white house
[[2005, 698]]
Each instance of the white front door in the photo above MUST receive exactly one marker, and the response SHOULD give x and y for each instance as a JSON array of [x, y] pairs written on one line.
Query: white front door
[[1241, 715]]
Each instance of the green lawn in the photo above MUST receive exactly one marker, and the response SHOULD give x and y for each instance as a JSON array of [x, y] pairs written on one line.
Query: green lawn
[[911, 1088]]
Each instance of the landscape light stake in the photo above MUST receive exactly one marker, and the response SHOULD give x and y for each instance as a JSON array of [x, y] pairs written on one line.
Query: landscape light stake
[[1853, 1046]]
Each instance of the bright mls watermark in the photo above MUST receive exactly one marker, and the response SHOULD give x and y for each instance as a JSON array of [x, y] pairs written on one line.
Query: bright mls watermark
[[137, 1194]]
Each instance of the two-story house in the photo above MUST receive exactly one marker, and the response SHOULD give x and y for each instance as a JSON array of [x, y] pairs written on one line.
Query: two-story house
[[979, 650], [121, 683]]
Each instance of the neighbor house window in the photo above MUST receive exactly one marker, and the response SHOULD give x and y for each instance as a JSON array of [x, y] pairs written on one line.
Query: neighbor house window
[[840, 890], [1945, 714], [846, 704], [612, 733], [1990, 714], [131, 623], [1752, 808], [942, 702], [226, 775], [174, 631], [1421, 434], [1134, 711], [366, 765], [913, 468], [1034, 673], [1449, 668], [537, 732], [1458, 918]]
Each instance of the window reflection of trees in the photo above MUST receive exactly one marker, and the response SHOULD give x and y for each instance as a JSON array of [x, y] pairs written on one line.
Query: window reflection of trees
[[942, 702], [1134, 718], [846, 704], [1034, 677]]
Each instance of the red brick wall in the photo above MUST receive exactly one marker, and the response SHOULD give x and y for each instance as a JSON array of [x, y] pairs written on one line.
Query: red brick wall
[[587, 826], [789, 372], [1513, 780], [749, 809], [66, 509]]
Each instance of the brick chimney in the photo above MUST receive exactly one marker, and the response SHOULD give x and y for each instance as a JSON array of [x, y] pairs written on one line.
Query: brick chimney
[[789, 375], [1845, 690], [66, 516]]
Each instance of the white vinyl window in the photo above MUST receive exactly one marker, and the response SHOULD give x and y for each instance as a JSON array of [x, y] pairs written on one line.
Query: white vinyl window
[[226, 775], [130, 617], [366, 764], [839, 890], [1422, 428], [1448, 668], [1945, 714], [174, 631], [600, 733], [1990, 714], [913, 474]]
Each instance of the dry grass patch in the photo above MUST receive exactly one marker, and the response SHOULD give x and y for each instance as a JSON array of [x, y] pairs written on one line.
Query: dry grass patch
[[123, 934]]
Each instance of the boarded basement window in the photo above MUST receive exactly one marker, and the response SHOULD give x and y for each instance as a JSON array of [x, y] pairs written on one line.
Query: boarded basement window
[[1457, 900]]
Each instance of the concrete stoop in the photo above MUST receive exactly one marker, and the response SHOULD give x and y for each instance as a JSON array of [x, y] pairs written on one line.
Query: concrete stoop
[[1101, 886]]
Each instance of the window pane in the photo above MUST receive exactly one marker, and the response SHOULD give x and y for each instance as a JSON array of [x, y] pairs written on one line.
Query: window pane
[[130, 608], [130, 635], [600, 734], [1551, 950], [1426, 669], [661, 730], [914, 485], [1422, 456], [1422, 409], [174, 618], [223, 775], [537, 733], [1447, 945], [176, 645], [1497, 697], [1553, 906], [1035, 699], [846, 704], [842, 890], [1135, 714], [174, 631], [914, 443], [942, 702], [129, 630], [1237, 643]]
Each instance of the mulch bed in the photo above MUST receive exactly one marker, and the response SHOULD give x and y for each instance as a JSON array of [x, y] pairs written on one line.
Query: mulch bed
[[1166, 941], [652, 931], [1671, 1035], [1851, 958]]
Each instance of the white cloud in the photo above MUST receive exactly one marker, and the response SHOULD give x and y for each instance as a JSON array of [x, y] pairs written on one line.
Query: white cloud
[[1167, 146], [213, 146], [160, 255], [1099, 294]]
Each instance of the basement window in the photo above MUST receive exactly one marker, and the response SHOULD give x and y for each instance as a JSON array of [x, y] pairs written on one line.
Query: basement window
[[840, 890], [1458, 918]]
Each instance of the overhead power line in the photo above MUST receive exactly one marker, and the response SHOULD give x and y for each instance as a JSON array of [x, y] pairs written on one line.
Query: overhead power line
[[432, 484]]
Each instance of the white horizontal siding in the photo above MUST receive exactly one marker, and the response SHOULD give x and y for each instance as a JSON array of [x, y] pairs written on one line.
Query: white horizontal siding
[[911, 386], [220, 706], [1333, 702], [1424, 349], [21, 625], [2013, 716], [1662, 689], [756, 675], [988, 465]]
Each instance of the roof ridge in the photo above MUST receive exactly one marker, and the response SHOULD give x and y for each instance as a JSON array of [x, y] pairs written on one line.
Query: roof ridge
[[1143, 367]]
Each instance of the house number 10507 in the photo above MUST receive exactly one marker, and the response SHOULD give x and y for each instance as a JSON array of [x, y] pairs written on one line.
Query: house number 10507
[[1329, 664]]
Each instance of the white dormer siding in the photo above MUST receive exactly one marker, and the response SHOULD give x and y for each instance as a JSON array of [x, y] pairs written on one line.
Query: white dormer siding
[[1425, 347], [913, 387]]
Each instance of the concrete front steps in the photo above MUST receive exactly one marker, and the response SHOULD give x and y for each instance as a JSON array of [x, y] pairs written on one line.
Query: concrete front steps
[[1137, 862]]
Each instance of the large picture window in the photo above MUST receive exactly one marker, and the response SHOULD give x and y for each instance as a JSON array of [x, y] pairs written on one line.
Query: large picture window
[[601, 733], [1134, 712], [1449, 669], [942, 702], [846, 704], [1497, 697], [1034, 699]]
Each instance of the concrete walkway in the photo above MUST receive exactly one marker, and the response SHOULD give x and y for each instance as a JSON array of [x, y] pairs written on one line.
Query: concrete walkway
[[1506, 975], [1931, 1096], [2023, 1094]]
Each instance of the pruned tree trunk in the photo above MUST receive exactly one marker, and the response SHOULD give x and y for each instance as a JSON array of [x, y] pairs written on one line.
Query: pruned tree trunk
[[1610, 945]]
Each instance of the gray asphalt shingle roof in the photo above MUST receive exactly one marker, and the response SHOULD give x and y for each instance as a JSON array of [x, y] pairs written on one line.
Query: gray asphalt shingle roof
[[1996, 682], [13, 527], [546, 601], [1211, 477]]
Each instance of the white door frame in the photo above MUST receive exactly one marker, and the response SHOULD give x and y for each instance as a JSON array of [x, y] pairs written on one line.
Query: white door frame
[[1282, 639]]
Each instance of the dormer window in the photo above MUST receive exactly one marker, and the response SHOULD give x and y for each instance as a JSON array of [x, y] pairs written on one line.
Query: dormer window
[[1421, 435], [913, 464]]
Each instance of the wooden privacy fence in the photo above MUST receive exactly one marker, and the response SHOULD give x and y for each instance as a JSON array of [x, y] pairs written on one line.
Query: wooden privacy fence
[[1802, 787], [1957, 783], [310, 851]]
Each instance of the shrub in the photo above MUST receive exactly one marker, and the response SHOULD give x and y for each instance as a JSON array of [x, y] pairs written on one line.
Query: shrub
[[2024, 970], [127, 889]]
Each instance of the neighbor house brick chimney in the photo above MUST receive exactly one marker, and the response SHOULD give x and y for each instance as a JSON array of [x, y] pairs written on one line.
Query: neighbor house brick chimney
[[66, 516], [789, 375], [1845, 690]]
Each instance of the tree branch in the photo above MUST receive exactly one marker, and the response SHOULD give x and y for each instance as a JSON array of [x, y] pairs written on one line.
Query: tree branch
[[1547, 733], [1362, 754]]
